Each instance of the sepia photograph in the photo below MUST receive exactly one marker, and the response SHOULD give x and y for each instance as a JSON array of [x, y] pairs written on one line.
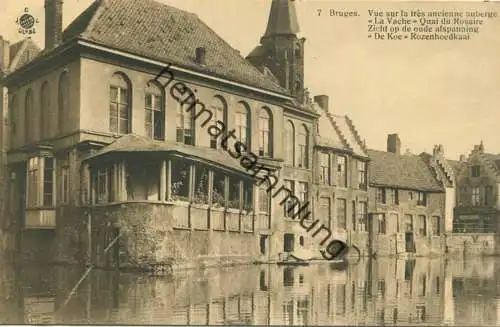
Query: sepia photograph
[[250, 162]]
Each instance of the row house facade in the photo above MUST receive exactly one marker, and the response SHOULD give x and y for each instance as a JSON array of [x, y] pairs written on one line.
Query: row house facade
[[408, 210], [105, 163], [477, 211], [341, 177]]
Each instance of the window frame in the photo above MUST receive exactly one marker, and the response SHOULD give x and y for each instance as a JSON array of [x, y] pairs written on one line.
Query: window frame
[[289, 143], [123, 124], [184, 119], [265, 133], [303, 146], [218, 108], [341, 223], [341, 171], [324, 168], [476, 196], [154, 114]]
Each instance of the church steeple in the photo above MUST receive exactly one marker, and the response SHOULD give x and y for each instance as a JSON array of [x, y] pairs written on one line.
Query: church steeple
[[282, 19], [281, 51]]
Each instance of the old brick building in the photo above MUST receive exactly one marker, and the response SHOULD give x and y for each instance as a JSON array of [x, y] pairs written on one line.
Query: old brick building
[[477, 212], [408, 208], [98, 146]]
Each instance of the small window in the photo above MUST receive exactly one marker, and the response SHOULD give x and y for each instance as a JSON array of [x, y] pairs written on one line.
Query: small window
[[476, 196], [421, 199], [48, 182], [288, 242], [265, 137], [475, 171], [341, 173], [422, 225], [380, 195], [362, 175], [381, 224], [341, 214], [303, 147], [436, 225], [290, 204], [185, 125], [324, 168], [119, 105], [154, 112], [392, 196]]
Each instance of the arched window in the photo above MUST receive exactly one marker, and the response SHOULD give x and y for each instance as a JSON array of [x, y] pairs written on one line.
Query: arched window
[[63, 101], [119, 104], [218, 109], [14, 122], [154, 111], [28, 116], [303, 142], [185, 124], [289, 142], [265, 135], [243, 125], [45, 111]]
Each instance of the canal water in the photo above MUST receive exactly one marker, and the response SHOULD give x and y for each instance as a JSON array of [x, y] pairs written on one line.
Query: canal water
[[383, 292]]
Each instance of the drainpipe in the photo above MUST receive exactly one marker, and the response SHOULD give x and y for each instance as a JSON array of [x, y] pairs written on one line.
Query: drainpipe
[[89, 238]]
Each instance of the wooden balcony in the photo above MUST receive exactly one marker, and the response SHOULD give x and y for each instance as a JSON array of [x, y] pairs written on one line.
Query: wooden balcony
[[40, 219]]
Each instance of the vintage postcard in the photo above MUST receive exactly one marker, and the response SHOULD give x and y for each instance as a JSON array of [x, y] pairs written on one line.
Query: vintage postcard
[[250, 162]]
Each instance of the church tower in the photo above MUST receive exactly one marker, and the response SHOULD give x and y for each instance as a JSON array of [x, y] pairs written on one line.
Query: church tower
[[281, 51]]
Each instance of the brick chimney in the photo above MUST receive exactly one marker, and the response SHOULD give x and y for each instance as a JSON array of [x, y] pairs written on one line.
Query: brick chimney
[[4, 56], [393, 143], [322, 101], [200, 55], [53, 23]]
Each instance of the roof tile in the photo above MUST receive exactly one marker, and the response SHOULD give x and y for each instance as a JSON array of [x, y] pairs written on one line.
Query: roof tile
[[402, 171], [164, 33]]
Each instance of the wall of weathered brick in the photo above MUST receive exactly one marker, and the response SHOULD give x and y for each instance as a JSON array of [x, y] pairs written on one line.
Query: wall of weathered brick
[[37, 245], [393, 241], [148, 237]]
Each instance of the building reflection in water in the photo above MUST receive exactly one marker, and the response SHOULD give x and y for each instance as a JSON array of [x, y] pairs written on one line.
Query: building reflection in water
[[383, 291]]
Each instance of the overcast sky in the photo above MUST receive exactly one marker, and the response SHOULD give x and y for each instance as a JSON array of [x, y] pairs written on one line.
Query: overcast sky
[[429, 92]]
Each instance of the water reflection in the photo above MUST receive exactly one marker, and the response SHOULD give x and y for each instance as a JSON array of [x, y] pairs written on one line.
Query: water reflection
[[383, 292]]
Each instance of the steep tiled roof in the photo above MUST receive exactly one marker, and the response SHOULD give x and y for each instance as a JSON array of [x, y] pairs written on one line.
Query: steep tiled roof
[[136, 143], [22, 52], [164, 33], [402, 171]]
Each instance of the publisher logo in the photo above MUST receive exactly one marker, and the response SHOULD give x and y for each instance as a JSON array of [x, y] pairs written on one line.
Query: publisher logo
[[26, 22]]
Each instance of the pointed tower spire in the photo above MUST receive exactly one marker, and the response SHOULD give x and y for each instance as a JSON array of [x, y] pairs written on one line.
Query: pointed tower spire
[[282, 19], [281, 51]]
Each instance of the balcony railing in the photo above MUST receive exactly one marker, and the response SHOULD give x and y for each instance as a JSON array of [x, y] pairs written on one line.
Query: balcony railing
[[40, 219]]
